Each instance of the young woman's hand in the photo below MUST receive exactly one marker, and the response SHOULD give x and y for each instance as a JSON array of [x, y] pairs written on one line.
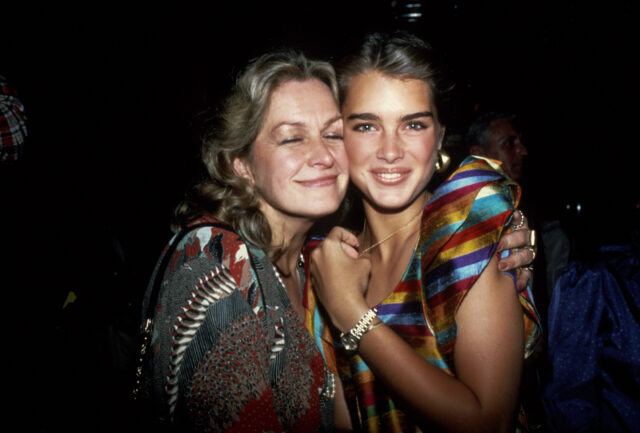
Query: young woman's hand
[[340, 278]]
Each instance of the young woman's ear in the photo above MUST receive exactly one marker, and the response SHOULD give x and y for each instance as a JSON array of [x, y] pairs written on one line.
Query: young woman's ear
[[443, 129], [242, 169]]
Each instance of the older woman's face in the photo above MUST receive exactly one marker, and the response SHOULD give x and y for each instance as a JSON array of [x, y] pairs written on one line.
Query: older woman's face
[[298, 163], [391, 137]]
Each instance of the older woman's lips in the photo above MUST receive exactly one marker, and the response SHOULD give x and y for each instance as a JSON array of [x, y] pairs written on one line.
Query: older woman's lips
[[390, 176], [319, 181]]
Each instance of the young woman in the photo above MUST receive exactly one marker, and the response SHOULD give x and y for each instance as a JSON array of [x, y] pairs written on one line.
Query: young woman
[[431, 333]]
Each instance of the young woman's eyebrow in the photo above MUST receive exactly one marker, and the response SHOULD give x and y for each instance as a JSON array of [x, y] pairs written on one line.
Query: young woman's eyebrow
[[416, 115], [362, 116], [371, 116]]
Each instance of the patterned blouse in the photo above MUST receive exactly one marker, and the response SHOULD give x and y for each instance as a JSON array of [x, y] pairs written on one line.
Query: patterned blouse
[[13, 128], [229, 352], [461, 226]]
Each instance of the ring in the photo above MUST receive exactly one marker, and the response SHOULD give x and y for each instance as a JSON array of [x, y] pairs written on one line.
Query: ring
[[523, 219], [528, 268], [533, 250], [532, 238]]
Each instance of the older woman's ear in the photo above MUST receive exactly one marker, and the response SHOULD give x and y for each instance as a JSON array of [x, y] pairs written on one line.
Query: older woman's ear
[[242, 169]]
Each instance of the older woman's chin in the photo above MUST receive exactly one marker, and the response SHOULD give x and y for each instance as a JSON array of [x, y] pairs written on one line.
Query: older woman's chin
[[320, 208], [320, 202], [311, 205]]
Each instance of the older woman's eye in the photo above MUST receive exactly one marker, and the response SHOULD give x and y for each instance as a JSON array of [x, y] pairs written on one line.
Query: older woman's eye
[[333, 136], [291, 140]]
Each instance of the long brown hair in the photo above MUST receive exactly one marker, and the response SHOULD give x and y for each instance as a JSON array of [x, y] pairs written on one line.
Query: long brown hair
[[398, 55]]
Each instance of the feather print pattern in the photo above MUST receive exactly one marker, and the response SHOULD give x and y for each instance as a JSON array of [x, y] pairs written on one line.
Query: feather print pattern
[[212, 287]]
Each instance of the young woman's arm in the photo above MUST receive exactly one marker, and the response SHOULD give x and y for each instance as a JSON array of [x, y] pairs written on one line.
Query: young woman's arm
[[488, 362], [488, 352]]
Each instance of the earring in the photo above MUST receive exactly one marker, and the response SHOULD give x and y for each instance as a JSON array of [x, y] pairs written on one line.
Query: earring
[[442, 161]]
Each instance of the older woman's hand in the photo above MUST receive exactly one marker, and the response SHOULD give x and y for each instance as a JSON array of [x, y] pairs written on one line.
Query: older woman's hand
[[340, 278], [523, 239]]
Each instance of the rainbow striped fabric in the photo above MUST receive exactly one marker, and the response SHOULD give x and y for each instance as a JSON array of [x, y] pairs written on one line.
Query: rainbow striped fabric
[[461, 226]]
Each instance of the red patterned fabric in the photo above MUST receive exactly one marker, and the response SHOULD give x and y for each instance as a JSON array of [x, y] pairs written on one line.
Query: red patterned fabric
[[228, 355], [13, 130]]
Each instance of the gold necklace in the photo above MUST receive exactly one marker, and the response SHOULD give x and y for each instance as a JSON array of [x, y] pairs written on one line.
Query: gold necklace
[[386, 238]]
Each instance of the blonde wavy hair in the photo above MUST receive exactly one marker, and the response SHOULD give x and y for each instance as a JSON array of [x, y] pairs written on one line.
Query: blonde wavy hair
[[224, 195]]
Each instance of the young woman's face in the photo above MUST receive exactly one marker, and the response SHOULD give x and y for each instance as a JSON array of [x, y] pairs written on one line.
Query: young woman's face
[[391, 137], [298, 163]]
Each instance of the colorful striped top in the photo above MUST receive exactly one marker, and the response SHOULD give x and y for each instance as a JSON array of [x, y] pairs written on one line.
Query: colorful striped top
[[461, 226]]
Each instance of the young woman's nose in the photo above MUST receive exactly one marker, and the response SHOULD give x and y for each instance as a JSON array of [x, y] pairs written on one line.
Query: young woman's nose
[[390, 148]]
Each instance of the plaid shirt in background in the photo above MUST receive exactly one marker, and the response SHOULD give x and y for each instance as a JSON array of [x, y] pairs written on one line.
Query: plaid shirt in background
[[13, 129]]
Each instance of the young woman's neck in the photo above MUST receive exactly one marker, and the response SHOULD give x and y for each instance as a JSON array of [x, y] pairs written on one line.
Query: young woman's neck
[[387, 231]]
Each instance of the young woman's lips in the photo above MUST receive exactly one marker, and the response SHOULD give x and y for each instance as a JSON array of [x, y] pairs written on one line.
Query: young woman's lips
[[390, 176], [319, 181]]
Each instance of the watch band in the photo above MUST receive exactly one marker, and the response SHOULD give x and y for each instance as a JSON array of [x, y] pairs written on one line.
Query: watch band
[[351, 340]]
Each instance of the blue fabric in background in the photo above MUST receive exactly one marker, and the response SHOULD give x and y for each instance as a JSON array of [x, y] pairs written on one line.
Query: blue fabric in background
[[593, 371]]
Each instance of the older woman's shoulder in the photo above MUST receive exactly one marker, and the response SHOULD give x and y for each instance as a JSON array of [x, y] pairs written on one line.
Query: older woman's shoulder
[[208, 245], [211, 238]]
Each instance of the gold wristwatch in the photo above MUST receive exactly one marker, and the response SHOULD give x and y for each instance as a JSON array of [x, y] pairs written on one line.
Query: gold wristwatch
[[351, 340]]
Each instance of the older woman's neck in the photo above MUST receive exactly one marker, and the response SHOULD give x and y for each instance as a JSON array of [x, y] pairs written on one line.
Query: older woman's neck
[[288, 236]]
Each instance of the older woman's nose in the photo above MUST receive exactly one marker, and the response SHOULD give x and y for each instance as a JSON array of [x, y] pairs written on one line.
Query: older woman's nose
[[321, 154]]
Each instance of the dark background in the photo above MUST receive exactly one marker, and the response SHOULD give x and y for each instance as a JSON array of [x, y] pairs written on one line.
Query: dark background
[[115, 94]]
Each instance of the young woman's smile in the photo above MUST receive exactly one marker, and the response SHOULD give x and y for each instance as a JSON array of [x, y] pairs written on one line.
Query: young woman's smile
[[391, 137]]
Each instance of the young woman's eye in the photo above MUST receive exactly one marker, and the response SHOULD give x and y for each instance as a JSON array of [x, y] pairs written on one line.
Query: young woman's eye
[[363, 127], [416, 126]]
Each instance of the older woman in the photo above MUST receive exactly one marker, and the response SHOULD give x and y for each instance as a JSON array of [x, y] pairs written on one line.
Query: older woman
[[431, 334], [230, 352]]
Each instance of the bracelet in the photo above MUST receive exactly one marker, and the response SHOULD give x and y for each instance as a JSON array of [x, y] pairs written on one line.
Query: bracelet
[[351, 340], [373, 326]]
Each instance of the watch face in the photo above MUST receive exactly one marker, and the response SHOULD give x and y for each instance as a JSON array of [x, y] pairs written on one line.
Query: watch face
[[350, 342]]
